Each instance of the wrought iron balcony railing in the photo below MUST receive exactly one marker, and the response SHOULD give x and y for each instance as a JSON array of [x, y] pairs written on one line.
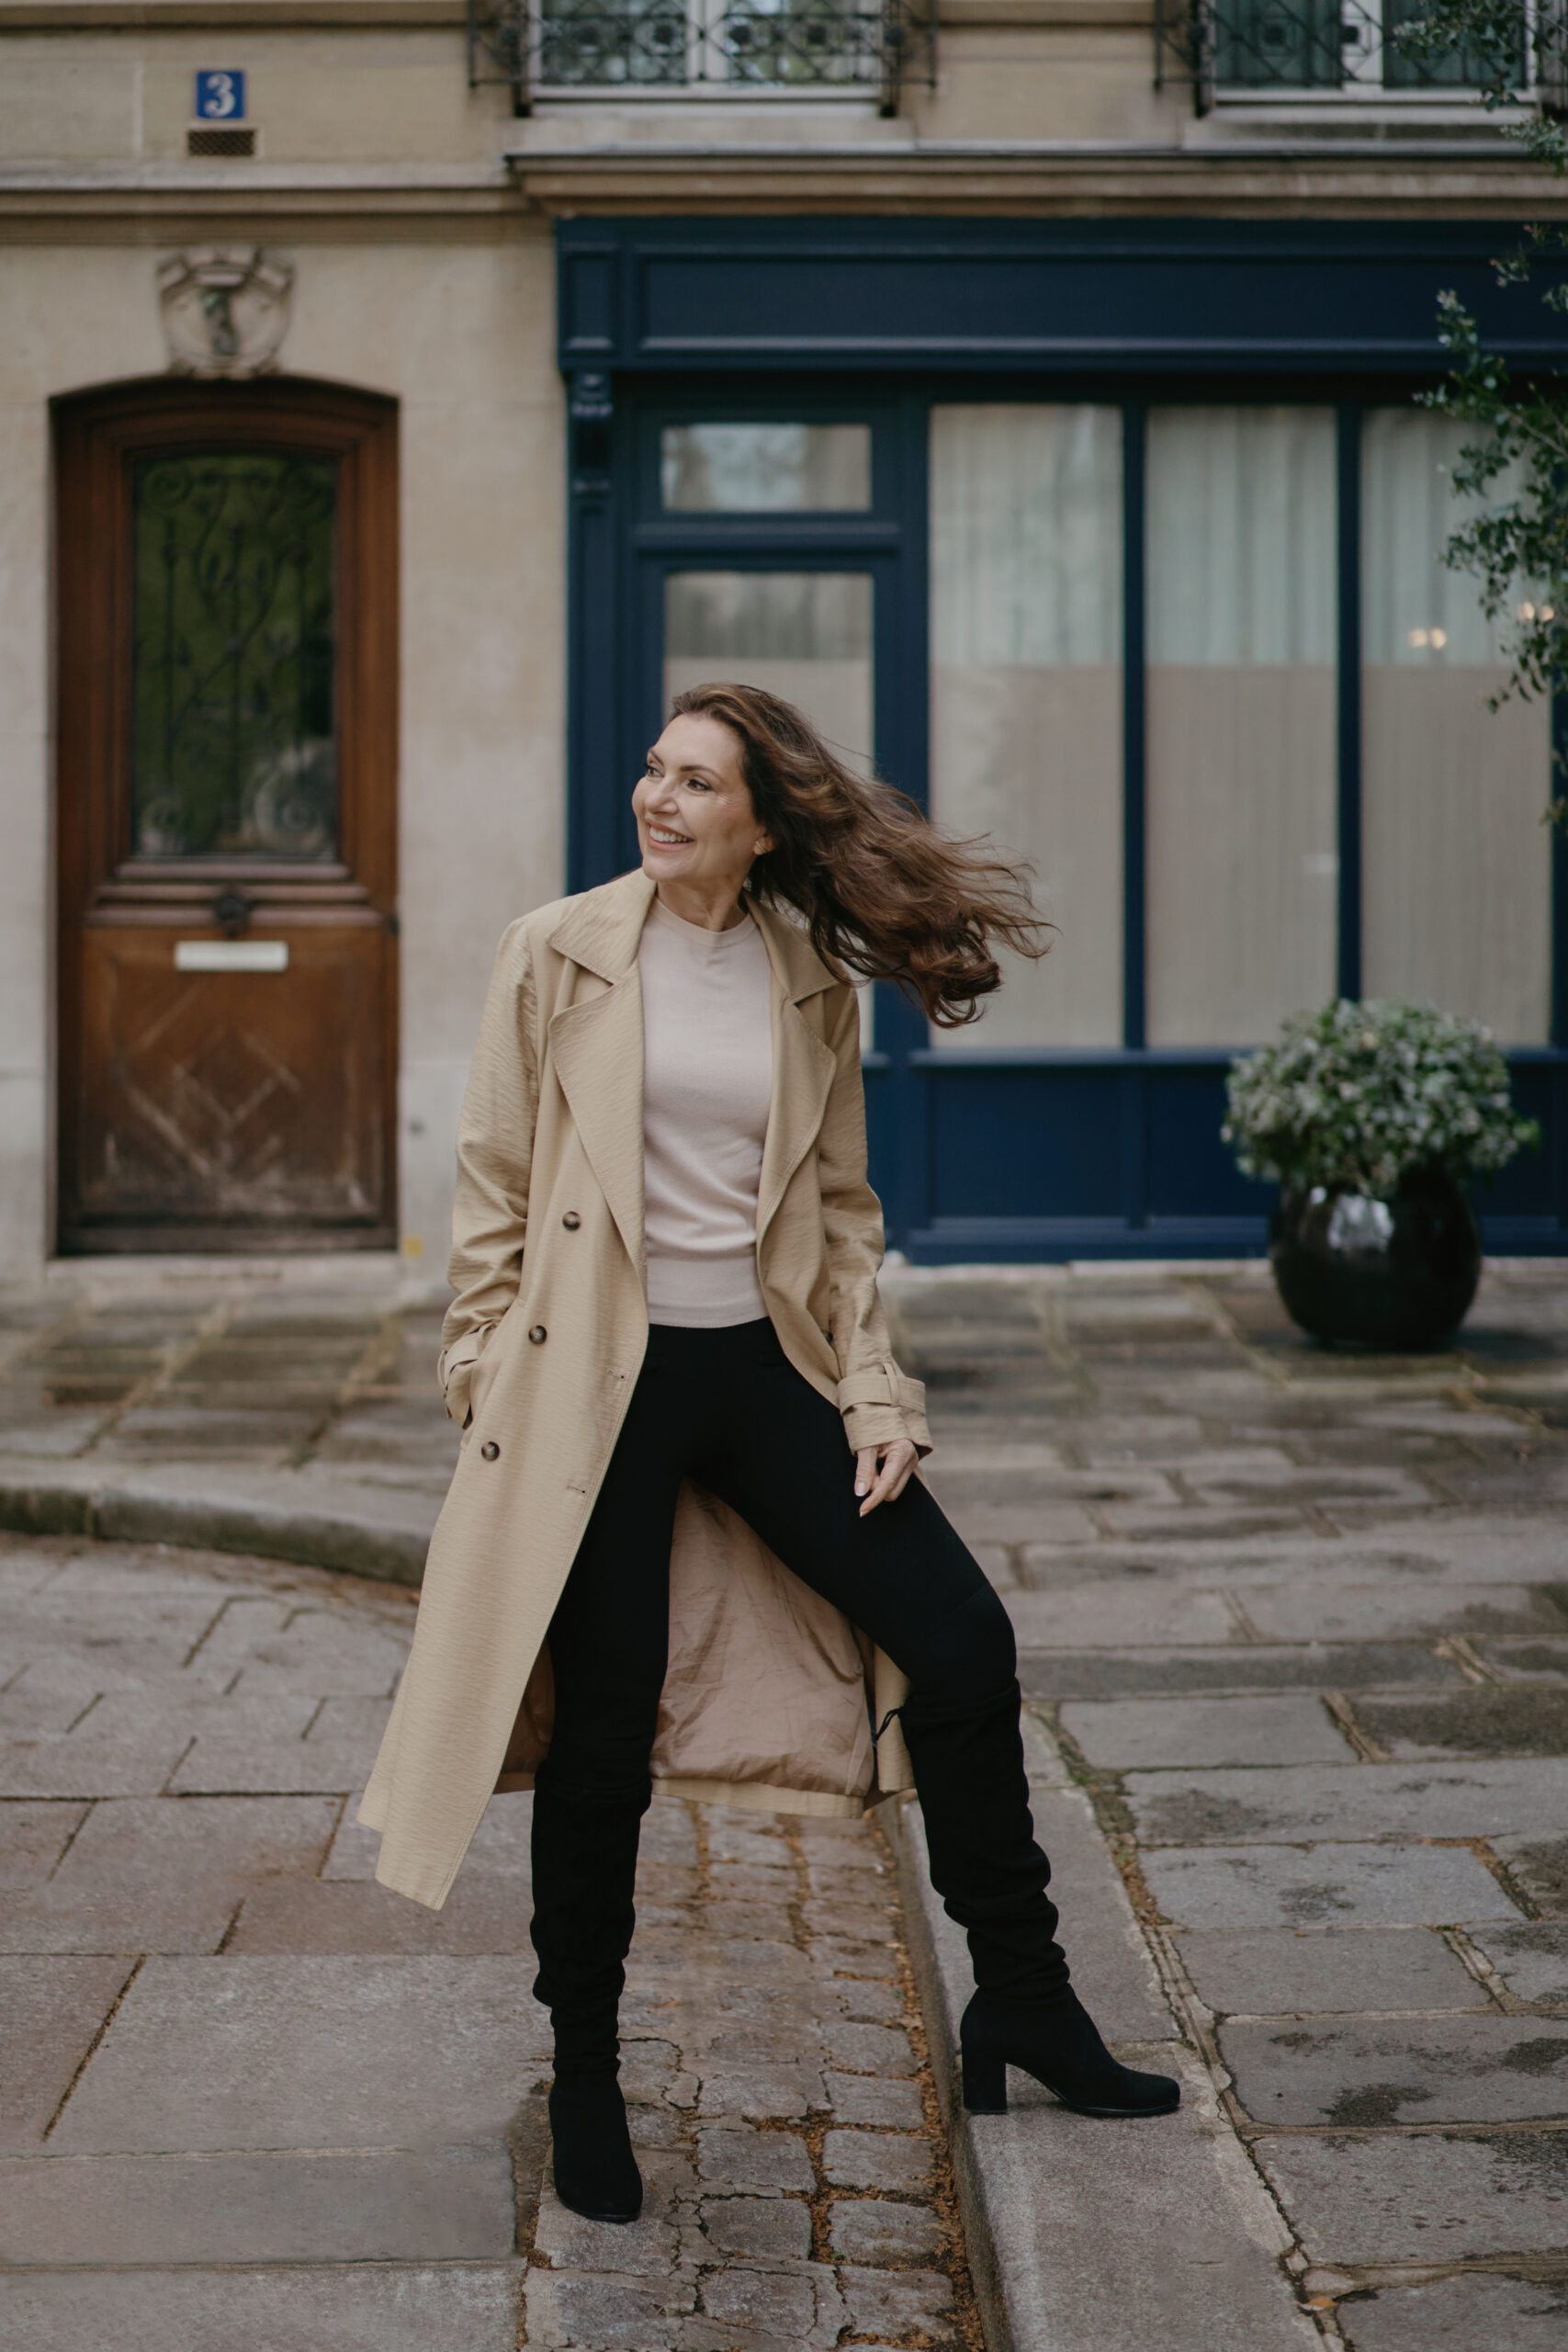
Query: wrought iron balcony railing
[[546, 47], [1284, 48]]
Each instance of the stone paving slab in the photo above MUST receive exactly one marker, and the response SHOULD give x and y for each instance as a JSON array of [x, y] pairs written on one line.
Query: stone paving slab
[[1127, 1733], [435, 2203], [1465, 2314], [1299, 1972], [1530, 1958], [393, 2307], [1350, 1801], [224, 2053], [1401, 2070], [1323, 1885], [1428, 2198], [1246, 1666]]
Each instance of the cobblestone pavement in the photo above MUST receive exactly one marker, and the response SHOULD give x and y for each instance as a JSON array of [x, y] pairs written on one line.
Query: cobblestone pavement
[[1295, 1634], [224, 2045]]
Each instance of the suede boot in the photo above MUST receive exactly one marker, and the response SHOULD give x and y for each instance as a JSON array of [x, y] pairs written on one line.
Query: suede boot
[[584, 1852], [992, 1878]]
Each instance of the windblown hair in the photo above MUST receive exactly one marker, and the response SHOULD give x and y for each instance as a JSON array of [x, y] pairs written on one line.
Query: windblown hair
[[884, 893]]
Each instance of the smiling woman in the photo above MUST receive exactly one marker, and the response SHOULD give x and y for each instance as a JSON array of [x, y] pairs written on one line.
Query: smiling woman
[[663, 1198]]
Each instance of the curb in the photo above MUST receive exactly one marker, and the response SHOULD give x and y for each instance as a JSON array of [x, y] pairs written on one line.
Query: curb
[[1096, 2236], [306, 1536], [943, 1993]]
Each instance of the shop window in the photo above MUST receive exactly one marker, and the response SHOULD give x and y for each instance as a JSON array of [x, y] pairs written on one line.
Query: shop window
[[802, 635], [1026, 691], [764, 468], [1242, 721], [1456, 885]]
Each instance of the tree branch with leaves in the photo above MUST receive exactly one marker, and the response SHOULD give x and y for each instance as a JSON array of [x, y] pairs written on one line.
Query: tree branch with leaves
[[1515, 543]]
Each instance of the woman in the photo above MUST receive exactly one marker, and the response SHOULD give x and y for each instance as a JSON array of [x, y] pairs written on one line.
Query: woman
[[684, 1512]]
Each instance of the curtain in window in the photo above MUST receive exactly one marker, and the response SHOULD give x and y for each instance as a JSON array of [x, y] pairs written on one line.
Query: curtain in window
[[1026, 691], [1242, 721], [1457, 875]]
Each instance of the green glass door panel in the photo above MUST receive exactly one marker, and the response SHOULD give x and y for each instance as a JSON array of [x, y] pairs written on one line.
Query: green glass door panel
[[235, 749]]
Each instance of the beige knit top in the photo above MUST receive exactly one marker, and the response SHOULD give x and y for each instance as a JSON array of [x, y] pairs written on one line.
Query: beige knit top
[[708, 1080]]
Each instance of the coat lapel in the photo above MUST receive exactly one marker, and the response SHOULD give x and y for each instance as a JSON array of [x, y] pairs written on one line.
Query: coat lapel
[[803, 1063], [596, 1046]]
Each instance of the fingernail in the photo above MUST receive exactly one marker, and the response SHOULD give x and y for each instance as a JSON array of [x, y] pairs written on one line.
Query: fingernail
[[859, 1490]]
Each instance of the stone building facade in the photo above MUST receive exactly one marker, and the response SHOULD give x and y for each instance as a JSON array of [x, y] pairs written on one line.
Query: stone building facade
[[396, 403]]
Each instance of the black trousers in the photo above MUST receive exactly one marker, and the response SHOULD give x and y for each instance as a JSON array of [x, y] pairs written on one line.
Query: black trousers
[[727, 1408]]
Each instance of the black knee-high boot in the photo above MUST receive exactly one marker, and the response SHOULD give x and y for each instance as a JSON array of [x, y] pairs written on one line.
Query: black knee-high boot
[[584, 1850], [992, 1877]]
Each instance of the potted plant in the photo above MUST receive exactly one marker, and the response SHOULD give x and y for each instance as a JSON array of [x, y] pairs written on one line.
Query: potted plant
[[1372, 1116]]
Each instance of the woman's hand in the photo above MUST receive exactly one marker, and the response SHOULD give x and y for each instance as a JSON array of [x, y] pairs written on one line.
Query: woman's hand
[[882, 1486]]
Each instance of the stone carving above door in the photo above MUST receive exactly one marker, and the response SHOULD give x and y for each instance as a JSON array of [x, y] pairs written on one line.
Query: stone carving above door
[[225, 310]]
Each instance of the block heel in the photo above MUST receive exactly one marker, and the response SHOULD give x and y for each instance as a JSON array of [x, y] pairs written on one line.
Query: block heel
[[985, 2083]]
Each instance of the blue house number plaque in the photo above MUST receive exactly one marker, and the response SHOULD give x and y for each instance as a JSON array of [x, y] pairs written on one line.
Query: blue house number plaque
[[220, 97]]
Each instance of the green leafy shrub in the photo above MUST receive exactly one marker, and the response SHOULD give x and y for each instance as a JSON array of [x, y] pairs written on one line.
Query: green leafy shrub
[[1359, 1095]]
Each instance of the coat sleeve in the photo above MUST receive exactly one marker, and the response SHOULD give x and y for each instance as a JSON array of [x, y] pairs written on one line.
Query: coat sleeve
[[879, 1403], [495, 1151]]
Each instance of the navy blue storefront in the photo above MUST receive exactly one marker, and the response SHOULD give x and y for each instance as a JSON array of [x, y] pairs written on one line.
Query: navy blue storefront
[[918, 356]]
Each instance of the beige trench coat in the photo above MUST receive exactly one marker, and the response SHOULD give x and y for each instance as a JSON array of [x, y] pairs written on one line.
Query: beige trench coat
[[769, 1693]]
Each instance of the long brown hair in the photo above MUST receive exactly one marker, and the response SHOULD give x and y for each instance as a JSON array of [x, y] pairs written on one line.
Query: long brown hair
[[882, 891]]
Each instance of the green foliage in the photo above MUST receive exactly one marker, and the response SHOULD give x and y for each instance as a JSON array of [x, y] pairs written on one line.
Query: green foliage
[[1358, 1095], [1516, 545], [1518, 550], [1495, 39]]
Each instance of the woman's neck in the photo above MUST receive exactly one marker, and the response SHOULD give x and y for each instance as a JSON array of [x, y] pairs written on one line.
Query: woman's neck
[[708, 913]]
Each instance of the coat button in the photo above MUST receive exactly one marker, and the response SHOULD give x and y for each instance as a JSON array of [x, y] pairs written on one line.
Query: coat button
[[491, 1450], [538, 1335], [571, 1220]]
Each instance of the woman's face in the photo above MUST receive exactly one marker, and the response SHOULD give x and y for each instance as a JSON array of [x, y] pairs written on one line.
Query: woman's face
[[695, 824]]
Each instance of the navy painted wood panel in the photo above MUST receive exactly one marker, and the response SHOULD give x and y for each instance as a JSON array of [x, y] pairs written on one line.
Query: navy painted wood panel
[[998, 1156], [678, 294]]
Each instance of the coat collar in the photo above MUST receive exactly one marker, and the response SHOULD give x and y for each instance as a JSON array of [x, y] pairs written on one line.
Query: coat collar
[[602, 930], [597, 1043]]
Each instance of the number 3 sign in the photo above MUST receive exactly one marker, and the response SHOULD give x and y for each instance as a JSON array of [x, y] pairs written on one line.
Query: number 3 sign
[[220, 97]]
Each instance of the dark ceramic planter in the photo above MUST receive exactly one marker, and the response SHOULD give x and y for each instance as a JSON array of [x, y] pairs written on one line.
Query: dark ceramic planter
[[1398, 1273]]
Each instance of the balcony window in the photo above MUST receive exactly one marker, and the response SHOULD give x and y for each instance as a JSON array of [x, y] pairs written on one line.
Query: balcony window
[[723, 48], [1291, 49]]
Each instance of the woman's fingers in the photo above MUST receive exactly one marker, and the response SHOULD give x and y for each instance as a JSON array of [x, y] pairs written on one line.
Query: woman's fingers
[[890, 1480], [906, 1456]]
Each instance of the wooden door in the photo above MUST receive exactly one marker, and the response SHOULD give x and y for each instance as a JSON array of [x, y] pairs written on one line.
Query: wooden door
[[227, 734]]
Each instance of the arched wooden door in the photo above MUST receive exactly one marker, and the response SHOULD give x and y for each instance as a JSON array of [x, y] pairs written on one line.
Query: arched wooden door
[[227, 761]]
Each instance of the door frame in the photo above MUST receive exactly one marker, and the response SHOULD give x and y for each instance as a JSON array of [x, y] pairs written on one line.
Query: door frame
[[98, 436]]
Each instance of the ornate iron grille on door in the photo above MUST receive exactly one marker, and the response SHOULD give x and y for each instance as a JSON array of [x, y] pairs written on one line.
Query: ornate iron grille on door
[[542, 46]]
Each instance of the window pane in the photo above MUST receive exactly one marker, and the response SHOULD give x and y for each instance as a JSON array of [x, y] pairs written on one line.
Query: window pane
[[597, 43], [1456, 873], [234, 746], [803, 635], [1242, 798], [1026, 691], [765, 469]]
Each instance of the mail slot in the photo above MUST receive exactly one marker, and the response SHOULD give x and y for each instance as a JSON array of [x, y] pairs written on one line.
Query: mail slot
[[231, 955]]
